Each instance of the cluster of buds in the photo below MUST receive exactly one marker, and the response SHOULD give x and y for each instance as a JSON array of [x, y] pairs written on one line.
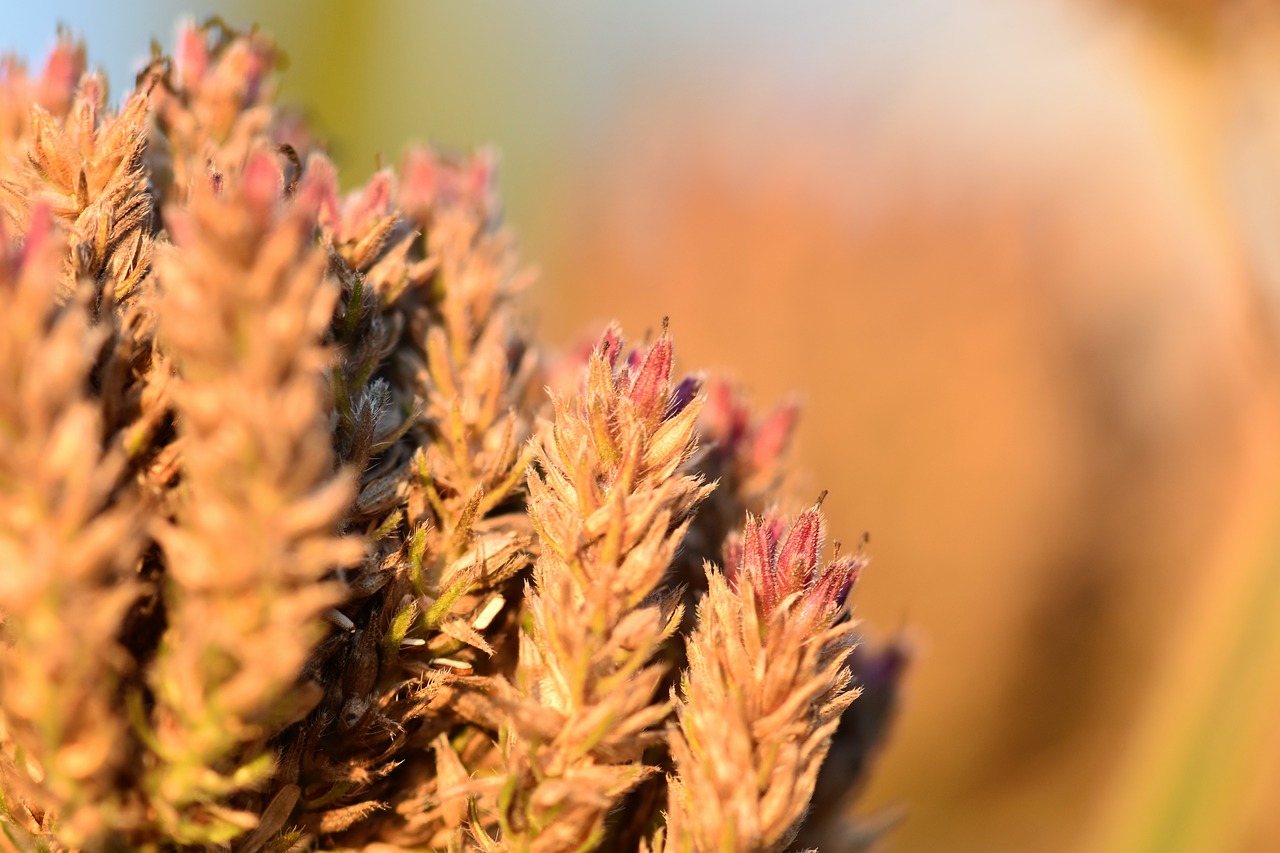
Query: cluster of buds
[[784, 568], [298, 556], [765, 688]]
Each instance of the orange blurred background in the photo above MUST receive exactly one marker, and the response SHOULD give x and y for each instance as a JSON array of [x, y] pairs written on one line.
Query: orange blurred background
[[1022, 262]]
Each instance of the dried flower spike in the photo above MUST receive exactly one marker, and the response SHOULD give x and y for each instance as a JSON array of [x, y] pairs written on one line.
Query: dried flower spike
[[766, 685], [610, 507]]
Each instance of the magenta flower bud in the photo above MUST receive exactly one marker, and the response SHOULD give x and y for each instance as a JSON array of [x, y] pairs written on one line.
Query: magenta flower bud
[[798, 559], [652, 382], [776, 528], [825, 598], [755, 557], [757, 562], [773, 436], [726, 417]]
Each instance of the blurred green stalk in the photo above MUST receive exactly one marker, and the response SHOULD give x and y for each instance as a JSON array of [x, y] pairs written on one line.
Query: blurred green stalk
[[1192, 780]]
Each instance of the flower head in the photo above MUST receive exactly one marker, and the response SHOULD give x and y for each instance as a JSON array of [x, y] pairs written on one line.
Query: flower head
[[644, 379], [785, 568]]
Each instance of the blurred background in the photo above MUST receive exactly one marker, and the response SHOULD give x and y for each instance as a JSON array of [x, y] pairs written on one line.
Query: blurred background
[[1021, 260]]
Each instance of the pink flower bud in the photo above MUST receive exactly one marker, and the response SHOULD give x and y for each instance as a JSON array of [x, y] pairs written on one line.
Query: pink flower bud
[[62, 71], [263, 184], [726, 416], [419, 179], [192, 56], [319, 190], [652, 383], [797, 560], [828, 596], [369, 205], [39, 233], [773, 436]]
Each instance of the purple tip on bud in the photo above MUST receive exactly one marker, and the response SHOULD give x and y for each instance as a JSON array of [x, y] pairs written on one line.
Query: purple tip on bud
[[879, 669], [851, 573], [682, 396], [827, 597]]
